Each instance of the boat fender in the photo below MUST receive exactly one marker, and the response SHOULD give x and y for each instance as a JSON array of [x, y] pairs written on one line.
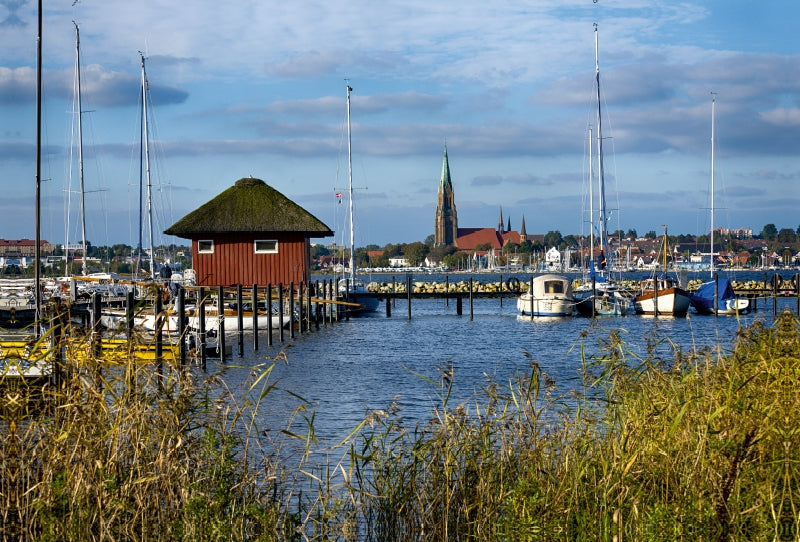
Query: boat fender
[[513, 285]]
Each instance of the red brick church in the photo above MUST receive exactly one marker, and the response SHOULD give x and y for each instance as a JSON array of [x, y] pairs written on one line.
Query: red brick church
[[447, 233]]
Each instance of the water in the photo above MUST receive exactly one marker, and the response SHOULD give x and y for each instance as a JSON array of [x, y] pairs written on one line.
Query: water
[[349, 368]]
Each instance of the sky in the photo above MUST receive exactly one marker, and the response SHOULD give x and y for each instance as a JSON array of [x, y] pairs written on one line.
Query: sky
[[257, 88]]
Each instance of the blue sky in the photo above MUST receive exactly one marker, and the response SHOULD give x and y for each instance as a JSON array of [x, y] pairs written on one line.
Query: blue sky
[[258, 88]]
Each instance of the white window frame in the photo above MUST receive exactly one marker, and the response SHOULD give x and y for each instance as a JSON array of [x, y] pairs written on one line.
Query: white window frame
[[206, 250], [273, 250]]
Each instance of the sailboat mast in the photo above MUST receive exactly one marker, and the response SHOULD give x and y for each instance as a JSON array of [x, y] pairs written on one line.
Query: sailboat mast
[[350, 185], [600, 168], [84, 269], [713, 104], [591, 197], [145, 139], [38, 198]]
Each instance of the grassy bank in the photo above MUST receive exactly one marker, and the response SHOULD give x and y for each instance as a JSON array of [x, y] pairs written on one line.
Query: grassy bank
[[697, 446]]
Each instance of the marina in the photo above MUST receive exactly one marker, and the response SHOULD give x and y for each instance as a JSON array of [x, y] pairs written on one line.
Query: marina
[[345, 364]]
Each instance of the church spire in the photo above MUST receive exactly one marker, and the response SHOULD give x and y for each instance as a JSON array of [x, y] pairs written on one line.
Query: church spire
[[444, 182], [523, 235], [500, 223], [445, 229]]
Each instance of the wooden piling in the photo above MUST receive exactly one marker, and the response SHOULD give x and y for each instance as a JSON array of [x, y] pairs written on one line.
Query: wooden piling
[[201, 325], [470, 300], [408, 294], [240, 319], [280, 311], [221, 323], [181, 324], [255, 306]]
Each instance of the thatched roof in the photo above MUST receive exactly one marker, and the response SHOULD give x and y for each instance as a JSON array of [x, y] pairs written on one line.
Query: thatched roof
[[249, 206]]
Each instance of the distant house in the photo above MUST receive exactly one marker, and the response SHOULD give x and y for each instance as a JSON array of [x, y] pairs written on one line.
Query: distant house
[[250, 234]]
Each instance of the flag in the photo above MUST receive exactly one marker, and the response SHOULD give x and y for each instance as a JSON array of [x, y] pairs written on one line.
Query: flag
[[339, 196]]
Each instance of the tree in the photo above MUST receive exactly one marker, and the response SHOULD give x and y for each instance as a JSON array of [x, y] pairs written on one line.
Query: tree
[[553, 238], [631, 234], [415, 253], [769, 233], [787, 235], [429, 240], [650, 235], [571, 241]]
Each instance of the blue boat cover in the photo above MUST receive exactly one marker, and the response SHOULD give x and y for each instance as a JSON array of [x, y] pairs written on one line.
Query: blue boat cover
[[703, 298]]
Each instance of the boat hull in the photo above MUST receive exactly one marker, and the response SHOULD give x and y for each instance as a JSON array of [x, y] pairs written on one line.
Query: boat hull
[[605, 300], [545, 306], [670, 302]]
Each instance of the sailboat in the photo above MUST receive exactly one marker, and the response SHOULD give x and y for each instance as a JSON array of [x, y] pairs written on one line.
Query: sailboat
[[600, 295], [661, 295], [716, 296], [352, 288]]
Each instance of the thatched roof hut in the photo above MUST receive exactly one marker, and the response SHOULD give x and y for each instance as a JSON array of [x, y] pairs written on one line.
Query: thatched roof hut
[[250, 234], [249, 206]]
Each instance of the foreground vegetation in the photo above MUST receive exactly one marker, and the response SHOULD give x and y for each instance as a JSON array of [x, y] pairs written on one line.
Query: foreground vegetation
[[700, 446]]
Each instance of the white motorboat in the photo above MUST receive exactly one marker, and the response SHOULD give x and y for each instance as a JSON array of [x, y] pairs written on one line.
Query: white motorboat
[[548, 295]]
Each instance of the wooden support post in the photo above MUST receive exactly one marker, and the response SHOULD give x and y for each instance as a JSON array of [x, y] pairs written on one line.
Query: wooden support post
[[291, 309], [280, 311], [530, 296], [255, 306], [388, 308], [775, 280], [300, 316], [470, 299], [96, 339], [182, 324], [130, 308], [269, 314], [201, 314], [459, 305], [408, 294], [240, 319], [158, 323], [447, 290], [221, 323], [500, 291], [655, 296]]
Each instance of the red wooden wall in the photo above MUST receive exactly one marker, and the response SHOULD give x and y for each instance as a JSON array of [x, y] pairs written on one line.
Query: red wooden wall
[[235, 262]]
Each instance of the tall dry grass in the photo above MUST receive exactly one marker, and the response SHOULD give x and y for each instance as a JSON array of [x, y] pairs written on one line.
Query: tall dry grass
[[684, 446]]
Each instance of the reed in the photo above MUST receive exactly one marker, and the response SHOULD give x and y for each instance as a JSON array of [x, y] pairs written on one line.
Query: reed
[[664, 445]]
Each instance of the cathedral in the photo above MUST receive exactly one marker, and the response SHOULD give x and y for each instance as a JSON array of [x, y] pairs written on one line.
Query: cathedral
[[447, 233]]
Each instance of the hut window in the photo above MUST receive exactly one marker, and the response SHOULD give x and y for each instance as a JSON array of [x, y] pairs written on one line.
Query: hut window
[[265, 246], [205, 247]]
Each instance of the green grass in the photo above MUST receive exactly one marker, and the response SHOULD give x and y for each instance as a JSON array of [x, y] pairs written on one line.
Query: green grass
[[697, 446]]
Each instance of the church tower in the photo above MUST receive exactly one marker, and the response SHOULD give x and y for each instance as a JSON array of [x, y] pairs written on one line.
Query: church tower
[[445, 229], [523, 235]]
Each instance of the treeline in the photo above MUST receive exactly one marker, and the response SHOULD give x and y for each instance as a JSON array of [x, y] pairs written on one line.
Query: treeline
[[416, 252]]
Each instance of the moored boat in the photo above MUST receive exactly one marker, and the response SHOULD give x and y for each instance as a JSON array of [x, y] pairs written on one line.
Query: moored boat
[[353, 289], [716, 296], [727, 302], [661, 296], [548, 295], [599, 296]]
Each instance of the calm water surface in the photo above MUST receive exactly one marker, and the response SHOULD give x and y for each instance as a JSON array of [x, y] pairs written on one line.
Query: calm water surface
[[350, 367]]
